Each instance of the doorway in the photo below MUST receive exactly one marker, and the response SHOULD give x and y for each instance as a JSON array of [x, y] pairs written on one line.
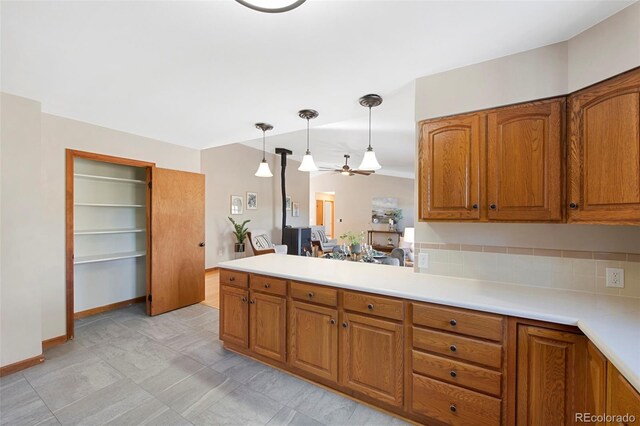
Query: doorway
[[325, 212]]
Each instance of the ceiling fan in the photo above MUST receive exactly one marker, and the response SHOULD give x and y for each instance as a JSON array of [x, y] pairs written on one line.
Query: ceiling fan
[[346, 169]]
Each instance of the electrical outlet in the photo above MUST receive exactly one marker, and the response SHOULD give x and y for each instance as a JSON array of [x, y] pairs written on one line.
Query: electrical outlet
[[423, 260], [615, 277]]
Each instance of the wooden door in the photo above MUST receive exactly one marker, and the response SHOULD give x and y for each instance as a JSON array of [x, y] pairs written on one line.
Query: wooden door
[[604, 154], [622, 399], [524, 162], [596, 382], [267, 316], [234, 315], [450, 167], [177, 240], [371, 357], [313, 339], [550, 376], [319, 212]]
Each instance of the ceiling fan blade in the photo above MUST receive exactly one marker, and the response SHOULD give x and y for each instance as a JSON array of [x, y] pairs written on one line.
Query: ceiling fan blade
[[362, 172]]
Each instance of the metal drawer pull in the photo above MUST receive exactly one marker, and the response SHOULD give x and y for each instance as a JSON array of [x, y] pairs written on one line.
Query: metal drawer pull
[[453, 373], [244, 300], [252, 301], [453, 408], [332, 321], [453, 348], [370, 307], [310, 294], [453, 322], [345, 325], [267, 285], [232, 279]]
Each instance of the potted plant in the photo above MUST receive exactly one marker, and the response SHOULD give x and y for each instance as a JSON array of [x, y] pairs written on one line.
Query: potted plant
[[396, 215], [355, 240], [240, 232]]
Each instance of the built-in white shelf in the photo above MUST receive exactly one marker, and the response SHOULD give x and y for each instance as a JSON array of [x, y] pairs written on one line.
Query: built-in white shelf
[[107, 257], [109, 178], [107, 205], [108, 231]]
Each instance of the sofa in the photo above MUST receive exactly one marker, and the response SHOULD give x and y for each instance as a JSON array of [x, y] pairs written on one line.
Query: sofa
[[319, 235]]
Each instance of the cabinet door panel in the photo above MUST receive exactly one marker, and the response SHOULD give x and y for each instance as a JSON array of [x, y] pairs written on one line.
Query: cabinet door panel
[[268, 325], [550, 376], [622, 399], [524, 163], [596, 382], [604, 161], [313, 339], [371, 357], [449, 168], [234, 315]]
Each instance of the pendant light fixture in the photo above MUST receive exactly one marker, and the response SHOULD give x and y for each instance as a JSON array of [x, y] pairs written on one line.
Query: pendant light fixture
[[263, 168], [307, 164], [271, 6], [369, 161]]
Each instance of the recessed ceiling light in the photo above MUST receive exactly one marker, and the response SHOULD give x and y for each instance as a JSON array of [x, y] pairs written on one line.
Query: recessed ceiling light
[[271, 6]]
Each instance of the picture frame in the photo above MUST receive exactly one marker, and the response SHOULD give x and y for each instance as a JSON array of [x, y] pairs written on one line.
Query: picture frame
[[288, 202], [237, 204], [295, 209], [252, 201]]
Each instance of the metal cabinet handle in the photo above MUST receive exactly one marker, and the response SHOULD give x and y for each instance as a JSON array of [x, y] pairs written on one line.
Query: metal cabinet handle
[[232, 279], [345, 325], [453, 373], [493, 206], [370, 307], [453, 348], [453, 322], [310, 294], [267, 285], [332, 321], [252, 301], [475, 207], [573, 206], [201, 244], [453, 408], [244, 300]]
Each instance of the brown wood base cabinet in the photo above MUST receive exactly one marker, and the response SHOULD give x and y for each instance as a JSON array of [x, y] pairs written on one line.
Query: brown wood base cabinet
[[432, 364]]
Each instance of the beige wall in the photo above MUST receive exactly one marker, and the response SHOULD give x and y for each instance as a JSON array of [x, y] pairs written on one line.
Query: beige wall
[[544, 72], [21, 230], [230, 171], [353, 196]]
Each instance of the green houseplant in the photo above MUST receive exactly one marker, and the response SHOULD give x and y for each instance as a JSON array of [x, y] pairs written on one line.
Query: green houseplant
[[355, 240], [240, 232]]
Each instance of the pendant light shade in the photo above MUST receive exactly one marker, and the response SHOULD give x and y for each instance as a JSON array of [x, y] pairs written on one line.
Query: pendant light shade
[[369, 161], [271, 6], [263, 168], [308, 165]]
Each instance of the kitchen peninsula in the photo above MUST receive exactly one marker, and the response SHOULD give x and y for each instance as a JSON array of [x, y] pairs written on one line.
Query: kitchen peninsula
[[431, 348]]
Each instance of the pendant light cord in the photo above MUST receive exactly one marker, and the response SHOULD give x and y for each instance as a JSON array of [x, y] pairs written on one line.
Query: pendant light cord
[[263, 146], [369, 149], [308, 136]]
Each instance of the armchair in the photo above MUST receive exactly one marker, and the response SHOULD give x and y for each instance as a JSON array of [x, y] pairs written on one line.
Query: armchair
[[261, 244], [318, 234]]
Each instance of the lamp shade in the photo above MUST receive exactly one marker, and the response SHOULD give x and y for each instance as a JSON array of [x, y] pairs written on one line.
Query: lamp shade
[[369, 161], [263, 170], [409, 235], [308, 164]]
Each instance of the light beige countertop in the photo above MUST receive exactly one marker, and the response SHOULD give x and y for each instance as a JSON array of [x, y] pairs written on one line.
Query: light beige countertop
[[612, 323]]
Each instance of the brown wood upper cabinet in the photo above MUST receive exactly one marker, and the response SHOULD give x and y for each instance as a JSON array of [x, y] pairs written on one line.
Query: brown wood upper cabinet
[[604, 152], [524, 162], [449, 163], [519, 179]]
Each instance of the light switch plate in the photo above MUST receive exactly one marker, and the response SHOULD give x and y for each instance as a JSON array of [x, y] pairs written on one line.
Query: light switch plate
[[615, 277], [423, 260]]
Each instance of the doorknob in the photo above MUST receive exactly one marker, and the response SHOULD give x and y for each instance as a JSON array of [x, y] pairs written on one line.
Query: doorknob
[[201, 244]]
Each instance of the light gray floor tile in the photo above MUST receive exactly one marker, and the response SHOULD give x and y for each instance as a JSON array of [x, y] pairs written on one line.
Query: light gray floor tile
[[284, 388], [179, 369], [66, 379], [195, 394], [242, 406], [100, 332], [159, 328], [326, 407], [290, 417], [20, 404], [104, 405], [366, 416], [239, 368], [202, 346], [134, 311], [11, 378], [139, 358], [151, 412]]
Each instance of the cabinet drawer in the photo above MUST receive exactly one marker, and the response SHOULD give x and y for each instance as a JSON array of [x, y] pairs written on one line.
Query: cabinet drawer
[[268, 285], [314, 294], [456, 372], [461, 321], [452, 404], [455, 346], [238, 279], [374, 305]]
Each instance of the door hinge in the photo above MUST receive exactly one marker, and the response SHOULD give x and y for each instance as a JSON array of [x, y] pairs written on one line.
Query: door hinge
[[149, 298], [149, 184]]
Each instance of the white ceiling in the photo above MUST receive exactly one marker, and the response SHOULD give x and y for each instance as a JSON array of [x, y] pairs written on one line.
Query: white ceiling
[[200, 74]]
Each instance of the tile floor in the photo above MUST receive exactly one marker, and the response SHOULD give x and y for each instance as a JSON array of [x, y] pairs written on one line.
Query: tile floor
[[125, 368]]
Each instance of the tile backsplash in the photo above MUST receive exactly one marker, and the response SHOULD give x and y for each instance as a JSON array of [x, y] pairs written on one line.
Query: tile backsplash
[[573, 270]]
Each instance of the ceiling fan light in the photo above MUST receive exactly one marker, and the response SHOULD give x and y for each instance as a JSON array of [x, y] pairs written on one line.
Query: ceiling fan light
[[345, 173], [369, 161], [264, 170], [308, 165]]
